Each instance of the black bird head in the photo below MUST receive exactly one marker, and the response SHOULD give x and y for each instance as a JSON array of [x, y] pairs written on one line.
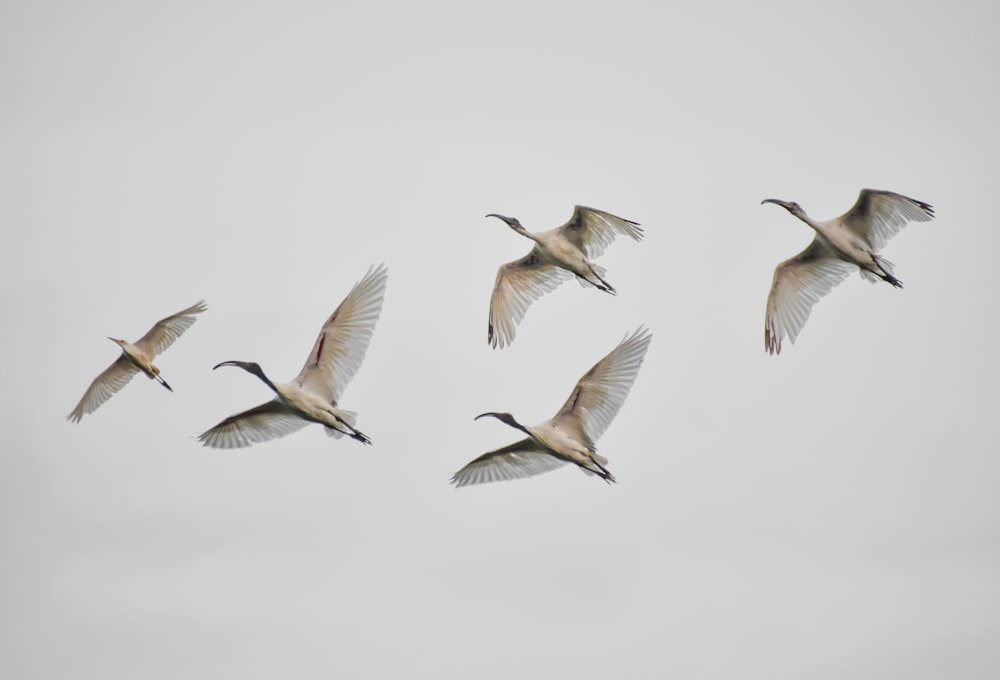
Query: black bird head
[[790, 206], [250, 367], [504, 418], [512, 222]]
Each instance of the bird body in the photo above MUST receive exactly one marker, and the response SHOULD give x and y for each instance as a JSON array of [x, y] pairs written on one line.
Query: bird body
[[570, 446], [570, 436], [313, 395], [840, 246], [135, 357], [556, 250], [311, 406], [557, 255], [843, 243], [141, 359], [292, 408]]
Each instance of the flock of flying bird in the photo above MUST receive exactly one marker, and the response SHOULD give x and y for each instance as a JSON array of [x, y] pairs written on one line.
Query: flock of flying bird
[[840, 246]]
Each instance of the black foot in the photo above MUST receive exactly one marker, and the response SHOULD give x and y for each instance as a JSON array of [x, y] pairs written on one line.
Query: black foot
[[361, 437]]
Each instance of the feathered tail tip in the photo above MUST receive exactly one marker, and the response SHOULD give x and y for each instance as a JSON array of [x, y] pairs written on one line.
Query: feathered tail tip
[[333, 432]]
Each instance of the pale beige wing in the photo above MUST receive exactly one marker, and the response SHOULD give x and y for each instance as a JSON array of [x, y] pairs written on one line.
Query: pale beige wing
[[104, 386], [343, 341], [518, 284], [798, 284], [268, 421], [601, 392], [525, 458], [165, 331], [592, 231], [878, 215]]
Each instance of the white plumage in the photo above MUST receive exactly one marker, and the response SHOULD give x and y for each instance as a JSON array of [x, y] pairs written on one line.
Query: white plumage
[[571, 435], [312, 396], [558, 255], [841, 245], [135, 357]]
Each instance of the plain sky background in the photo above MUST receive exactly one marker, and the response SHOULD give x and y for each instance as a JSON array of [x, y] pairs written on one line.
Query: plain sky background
[[831, 512]]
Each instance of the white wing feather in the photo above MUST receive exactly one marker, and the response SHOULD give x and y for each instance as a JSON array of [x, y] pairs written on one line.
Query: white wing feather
[[104, 386], [268, 421], [592, 231], [158, 338], [600, 393], [525, 458], [798, 284], [518, 284], [877, 215], [165, 331], [343, 341]]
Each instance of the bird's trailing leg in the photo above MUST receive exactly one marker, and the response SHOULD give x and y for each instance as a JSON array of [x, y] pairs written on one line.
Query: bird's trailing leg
[[342, 422], [601, 472], [353, 432], [162, 381], [600, 284], [885, 271], [361, 437], [889, 278], [607, 288]]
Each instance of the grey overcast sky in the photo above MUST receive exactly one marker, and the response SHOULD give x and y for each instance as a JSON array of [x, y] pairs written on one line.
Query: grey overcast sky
[[832, 512]]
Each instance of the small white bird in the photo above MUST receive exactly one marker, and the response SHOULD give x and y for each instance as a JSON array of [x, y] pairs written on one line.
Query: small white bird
[[558, 254], [313, 395], [134, 358], [840, 246], [571, 435]]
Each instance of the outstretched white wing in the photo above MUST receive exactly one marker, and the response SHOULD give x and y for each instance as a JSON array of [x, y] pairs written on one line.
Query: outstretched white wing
[[525, 458], [340, 348], [877, 215], [799, 283], [104, 386], [518, 284], [600, 393], [165, 331], [592, 231], [268, 421]]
